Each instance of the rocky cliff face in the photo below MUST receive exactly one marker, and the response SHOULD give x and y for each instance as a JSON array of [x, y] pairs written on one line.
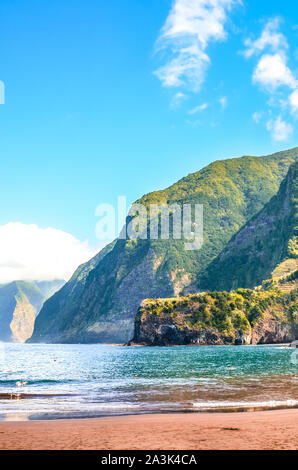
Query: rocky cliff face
[[267, 240], [20, 303], [239, 318], [107, 304], [23, 318], [270, 330], [102, 305], [267, 246]]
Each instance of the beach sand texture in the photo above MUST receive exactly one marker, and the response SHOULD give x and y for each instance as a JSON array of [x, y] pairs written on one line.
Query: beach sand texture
[[262, 430]]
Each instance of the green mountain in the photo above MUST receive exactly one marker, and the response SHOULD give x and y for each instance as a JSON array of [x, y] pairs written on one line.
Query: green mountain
[[266, 247], [268, 242], [20, 303], [100, 302]]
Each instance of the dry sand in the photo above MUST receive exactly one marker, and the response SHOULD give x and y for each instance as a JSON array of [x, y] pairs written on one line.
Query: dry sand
[[251, 430]]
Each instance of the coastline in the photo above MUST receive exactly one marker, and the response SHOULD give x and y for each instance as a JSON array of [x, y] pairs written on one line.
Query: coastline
[[131, 344], [258, 430]]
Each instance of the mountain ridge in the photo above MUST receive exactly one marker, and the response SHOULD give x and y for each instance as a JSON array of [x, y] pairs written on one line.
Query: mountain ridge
[[102, 308], [269, 238], [20, 303]]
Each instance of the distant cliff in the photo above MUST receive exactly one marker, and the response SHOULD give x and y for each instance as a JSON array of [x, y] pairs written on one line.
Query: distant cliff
[[20, 303], [99, 303]]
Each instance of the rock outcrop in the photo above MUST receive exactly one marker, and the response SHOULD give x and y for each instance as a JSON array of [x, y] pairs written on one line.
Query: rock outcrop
[[217, 318], [270, 330]]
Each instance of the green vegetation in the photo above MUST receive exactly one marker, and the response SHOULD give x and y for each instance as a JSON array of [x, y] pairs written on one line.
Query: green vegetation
[[227, 312], [267, 241], [100, 301], [231, 191]]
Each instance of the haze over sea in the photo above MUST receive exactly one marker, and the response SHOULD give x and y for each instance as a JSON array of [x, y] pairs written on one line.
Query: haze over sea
[[97, 380]]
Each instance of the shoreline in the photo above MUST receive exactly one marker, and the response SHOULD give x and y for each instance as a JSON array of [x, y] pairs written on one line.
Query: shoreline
[[186, 411], [131, 344], [258, 430], [244, 407]]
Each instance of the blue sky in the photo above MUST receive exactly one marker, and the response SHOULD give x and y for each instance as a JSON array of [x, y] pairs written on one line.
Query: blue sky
[[123, 97]]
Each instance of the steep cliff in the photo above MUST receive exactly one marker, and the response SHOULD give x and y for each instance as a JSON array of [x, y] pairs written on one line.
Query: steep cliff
[[102, 307], [266, 247], [216, 318], [268, 240], [20, 303]]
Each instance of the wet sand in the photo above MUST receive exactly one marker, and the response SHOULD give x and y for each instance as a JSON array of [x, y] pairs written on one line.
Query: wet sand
[[251, 430]]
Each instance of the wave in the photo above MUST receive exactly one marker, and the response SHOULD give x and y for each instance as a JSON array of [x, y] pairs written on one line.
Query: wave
[[34, 382], [114, 407], [245, 405], [22, 396]]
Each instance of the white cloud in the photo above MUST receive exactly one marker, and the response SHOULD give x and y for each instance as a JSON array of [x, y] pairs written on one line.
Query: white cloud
[[280, 130], [294, 101], [257, 116], [28, 252], [270, 37], [194, 124], [177, 100], [274, 75], [272, 72], [198, 109], [191, 25], [223, 102]]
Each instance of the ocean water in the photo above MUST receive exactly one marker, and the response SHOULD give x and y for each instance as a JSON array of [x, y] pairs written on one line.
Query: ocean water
[[39, 381]]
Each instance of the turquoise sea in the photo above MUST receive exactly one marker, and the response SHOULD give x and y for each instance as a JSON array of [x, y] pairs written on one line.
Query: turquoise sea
[[40, 381]]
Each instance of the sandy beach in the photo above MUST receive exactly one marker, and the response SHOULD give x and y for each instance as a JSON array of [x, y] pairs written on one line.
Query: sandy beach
[[261, 430]]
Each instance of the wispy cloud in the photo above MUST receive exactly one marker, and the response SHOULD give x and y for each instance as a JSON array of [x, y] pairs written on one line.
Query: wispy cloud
[[257, 116], [223, 101], [177, 100], [190, 27], [198, 109], [270, 37], [273, 74], [294, 101], [272, 70], [280, 130]]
